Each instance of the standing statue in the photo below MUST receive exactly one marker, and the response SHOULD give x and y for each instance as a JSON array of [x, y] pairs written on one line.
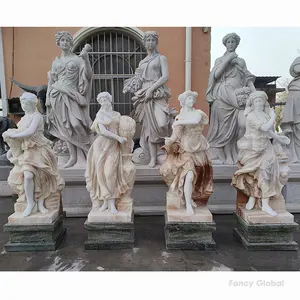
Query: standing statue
[[187, 170], [110, 173], [5, 124], [229, 86], [150, 101], [68, 98], [291, 115], [35, 175], [262, 167]]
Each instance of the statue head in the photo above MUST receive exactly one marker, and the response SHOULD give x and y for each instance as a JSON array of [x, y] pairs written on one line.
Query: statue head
[[257, 100], [231, 41], [188, 98], [28, 102], [104, 99], [150, 40], [64, 39]]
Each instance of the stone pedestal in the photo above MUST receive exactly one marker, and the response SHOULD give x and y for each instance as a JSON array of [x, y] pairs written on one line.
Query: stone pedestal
[[37, 232], [112, 232], [257, 230], [189, 232]]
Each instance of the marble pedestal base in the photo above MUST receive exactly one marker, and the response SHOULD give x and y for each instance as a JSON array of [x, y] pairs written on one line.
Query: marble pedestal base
[[110, 235], [267, 235], [189, 232], [27, 236]]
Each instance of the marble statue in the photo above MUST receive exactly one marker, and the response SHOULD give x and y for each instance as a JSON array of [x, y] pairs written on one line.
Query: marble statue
[[68, 97], [5, 124], [110, 173], [263, 168], [291, 116], [150, 99], [229, 86], [187, 169], [35, 175]]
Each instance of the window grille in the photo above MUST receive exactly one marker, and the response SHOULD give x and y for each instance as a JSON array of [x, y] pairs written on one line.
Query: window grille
[[114, 57]]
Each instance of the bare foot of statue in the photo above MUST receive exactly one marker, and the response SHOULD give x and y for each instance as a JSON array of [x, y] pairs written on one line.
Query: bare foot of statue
[[104, 206], [41, 207], [96, 204], [194, 204], [267, 209], [28, 209], [152, 163], [250, 204], [189, 209], [113, 210], [71, 162]]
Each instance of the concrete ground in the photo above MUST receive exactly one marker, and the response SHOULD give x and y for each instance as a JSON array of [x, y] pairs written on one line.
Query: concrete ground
[[149, 253]]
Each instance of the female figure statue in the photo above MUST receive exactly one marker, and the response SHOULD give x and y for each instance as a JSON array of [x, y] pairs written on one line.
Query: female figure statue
[[291, 116], [187, 169], [151, 99], [107, 179], [259, 175], [68, 97], [35, 175], [229, 86]]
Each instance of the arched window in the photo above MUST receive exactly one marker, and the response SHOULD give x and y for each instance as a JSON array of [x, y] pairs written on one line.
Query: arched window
[[115, 55]]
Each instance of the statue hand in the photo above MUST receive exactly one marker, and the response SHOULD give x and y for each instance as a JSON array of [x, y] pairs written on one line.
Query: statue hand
[[149, 94], [83, 54], [168, 141], [231, 56], [122, 140]]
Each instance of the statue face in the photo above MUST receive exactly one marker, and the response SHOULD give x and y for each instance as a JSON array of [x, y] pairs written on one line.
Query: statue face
[[231, 44], [189, 101], [65, 43], [105, 103], [150, 43], [259, 104], [27, 106]]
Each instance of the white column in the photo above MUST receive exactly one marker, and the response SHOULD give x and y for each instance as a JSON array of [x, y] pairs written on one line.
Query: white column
[[188, 58], [2, 77]]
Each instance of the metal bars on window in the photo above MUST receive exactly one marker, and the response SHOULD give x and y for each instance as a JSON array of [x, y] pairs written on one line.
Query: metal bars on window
[[114, 57]]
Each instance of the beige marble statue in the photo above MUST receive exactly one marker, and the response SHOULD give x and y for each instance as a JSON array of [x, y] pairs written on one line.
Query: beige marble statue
[[68, 98], [151, 101], [291, 117], [35, 175], [263, 168], [110, 173], [187, 169], [229, 86]]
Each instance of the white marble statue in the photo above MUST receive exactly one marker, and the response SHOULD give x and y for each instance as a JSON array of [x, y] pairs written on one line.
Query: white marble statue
[[187, 169], [35, 175], [229, 86], [151, 101], [291, 115], [68, 98], [110, 173], [262, 165]]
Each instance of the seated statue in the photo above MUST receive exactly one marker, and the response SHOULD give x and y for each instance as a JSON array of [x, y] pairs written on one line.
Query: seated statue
[[262, 164], [187, 169], [35, 175]]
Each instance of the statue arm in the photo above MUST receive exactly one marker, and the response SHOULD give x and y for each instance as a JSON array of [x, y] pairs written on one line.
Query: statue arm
[[87, 67], [249, 78], [268, 125], [190, 121], [164, 74], [107, 133], [220, 67], [31, 129]]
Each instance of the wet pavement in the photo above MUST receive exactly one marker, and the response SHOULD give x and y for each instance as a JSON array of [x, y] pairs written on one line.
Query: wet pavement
[[149, 253]]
